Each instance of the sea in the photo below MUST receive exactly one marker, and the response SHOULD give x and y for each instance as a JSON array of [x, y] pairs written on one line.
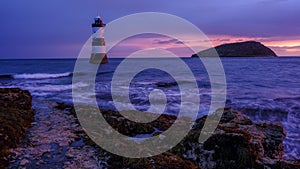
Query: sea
[[264, 88]]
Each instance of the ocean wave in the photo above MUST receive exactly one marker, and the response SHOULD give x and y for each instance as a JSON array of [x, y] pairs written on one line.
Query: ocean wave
[[48, 88], [46, 75], [41, 75], [282, 99], [57, 88]]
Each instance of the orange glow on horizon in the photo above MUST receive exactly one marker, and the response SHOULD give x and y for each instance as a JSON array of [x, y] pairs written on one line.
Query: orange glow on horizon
[[291, 43], [283, 46]]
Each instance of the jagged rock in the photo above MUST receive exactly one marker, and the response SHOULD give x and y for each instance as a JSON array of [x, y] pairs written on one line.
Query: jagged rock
[[24, 162], [239, 49], [16, 114], [274, 135], [165, 160], [131, 128], [237, 142], [62, 106]]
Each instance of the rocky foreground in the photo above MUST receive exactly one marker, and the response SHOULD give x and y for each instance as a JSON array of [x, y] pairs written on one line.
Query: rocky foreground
[[56, 140], [16, 115]]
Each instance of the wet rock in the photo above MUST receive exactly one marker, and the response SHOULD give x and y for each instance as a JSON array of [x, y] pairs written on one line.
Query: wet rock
[[24, 162], [272, 142], [237, 142], [62, 106], [131, 128], [78, 143], [165, 160], [16, 115], [166, 84], [233, 150], [51, 140]]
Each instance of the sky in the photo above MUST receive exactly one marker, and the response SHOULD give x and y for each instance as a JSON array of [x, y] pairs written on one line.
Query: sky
[[59, 29]]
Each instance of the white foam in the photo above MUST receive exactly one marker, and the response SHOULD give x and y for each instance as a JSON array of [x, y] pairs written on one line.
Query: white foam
[[41, 75], [56, 88]]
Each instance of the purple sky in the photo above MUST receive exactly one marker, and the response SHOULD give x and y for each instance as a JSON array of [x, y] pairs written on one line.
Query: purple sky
[[59, 28]]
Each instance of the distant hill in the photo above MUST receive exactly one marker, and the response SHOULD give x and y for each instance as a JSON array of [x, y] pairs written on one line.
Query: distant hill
[[239, 49]]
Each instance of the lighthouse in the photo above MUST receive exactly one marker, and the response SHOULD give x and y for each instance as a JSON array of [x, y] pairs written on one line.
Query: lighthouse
[[98, 54]]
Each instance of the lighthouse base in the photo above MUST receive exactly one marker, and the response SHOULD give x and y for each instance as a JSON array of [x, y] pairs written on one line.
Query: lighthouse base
[[99, 58]]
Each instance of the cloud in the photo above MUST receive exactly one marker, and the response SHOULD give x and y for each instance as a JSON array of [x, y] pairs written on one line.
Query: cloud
[[286, 51], [171, 41]]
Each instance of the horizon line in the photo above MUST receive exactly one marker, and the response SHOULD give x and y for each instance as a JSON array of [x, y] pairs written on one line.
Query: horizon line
[[53, 58]]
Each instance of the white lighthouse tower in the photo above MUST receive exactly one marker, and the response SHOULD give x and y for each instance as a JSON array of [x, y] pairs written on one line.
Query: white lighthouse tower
[[98, 54]]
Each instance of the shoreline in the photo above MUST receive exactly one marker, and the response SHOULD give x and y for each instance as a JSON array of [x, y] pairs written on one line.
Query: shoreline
[[64, 138]]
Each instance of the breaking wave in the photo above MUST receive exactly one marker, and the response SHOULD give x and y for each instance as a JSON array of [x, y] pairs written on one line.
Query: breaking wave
[[41, 75]]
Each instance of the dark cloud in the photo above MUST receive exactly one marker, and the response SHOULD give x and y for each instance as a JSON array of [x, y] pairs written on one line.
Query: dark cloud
[[170, 41], [148, 35], [219, 40]]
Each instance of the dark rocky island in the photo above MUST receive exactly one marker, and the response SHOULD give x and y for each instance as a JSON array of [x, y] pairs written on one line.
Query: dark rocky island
[[239, 49]]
